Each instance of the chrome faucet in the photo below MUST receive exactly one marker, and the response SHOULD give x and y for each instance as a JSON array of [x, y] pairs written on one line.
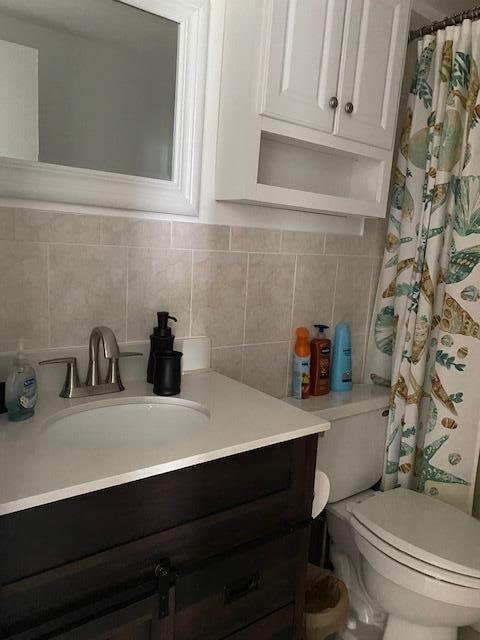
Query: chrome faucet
[[93, 386], [110, 350]]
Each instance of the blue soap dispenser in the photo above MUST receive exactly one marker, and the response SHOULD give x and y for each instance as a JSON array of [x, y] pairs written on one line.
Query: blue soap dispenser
[[341, 373]]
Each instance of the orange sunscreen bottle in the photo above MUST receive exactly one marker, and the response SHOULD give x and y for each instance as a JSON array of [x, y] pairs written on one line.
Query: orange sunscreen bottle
[[301, 365]]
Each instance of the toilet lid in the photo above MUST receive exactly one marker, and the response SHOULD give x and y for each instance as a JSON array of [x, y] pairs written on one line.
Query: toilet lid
[[424, 528]]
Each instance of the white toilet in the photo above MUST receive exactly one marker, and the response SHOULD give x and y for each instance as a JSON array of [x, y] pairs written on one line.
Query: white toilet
[[411, 562]]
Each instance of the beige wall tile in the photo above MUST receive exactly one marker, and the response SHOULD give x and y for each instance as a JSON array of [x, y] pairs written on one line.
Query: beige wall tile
[[265, 367], [251, 239], [350, 245], [358, 353], [6, 223], [23, 292], [289, 389], [376, 266], [218, 299], [228, 361], [135, 232], [158, 280], [87, 288], [352, 292], [49, 226], [186, 235], [314, 290], [269, 297], [303, 242]]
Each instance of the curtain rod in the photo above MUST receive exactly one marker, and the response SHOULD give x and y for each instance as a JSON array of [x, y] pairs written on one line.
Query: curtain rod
[[457, 18]]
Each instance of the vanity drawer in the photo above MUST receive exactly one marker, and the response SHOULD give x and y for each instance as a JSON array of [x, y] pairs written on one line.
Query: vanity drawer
[[231, 592], [277, 626]]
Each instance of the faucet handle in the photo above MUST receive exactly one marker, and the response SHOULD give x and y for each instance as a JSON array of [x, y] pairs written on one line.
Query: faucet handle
[[113, 373], [71, 380]]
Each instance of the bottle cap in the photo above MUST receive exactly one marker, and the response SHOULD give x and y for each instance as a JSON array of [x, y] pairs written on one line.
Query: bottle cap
[[20, 356], [302, 332], [321, 327]]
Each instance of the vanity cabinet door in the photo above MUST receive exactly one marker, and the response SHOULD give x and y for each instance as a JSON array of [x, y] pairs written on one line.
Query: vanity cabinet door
[[138, 621], [371, 71], [304, 44], [277, 626], [226, 594]]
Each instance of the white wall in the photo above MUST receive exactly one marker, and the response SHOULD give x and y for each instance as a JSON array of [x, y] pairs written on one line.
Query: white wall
[[19, 100], [100, 106], [438, 9]]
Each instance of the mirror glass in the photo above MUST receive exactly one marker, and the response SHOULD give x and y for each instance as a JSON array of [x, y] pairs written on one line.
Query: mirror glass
[[89, 84]]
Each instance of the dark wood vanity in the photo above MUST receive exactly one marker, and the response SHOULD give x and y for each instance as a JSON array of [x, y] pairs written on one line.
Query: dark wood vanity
[[213, 551]]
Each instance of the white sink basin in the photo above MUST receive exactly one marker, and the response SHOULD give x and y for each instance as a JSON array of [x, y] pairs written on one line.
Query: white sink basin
[[127, 423]]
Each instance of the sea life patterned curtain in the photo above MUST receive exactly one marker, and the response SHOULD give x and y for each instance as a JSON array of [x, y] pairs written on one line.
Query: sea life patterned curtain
[[425, 334]]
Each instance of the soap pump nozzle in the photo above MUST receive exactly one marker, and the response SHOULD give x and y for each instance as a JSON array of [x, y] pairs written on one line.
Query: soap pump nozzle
[[162, 320]]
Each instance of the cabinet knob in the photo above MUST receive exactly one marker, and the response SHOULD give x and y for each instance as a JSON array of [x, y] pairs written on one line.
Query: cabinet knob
[[349, 107], [333, 102]]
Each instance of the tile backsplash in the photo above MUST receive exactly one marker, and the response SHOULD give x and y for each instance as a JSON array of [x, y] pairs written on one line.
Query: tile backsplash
[[247, 289]]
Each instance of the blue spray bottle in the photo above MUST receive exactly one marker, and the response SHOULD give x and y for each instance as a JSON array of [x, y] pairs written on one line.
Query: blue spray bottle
[[341, 373]]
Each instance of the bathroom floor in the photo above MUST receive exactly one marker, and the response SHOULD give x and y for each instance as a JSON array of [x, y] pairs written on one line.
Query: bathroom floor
[[367, 632], [467, 633]]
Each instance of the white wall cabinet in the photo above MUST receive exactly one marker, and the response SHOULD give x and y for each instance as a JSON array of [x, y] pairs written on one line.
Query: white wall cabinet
[[308, 103], [336, 65]]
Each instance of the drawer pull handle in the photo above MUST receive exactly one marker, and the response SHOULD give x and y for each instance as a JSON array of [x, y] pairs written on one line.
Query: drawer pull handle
[[385, 413], [241, 588], [163, 574]]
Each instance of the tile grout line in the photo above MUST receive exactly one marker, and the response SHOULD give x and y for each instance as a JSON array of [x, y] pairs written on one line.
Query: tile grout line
[[291, 318], [332, 316], [49, 330], [191, 294], [127, 292], [245, 317], [247, 344]]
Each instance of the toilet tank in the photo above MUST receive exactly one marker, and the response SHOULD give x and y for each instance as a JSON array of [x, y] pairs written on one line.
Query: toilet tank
[[351, 453]]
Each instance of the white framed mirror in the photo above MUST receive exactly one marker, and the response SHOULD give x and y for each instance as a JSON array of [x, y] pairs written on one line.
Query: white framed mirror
[[101, 102]]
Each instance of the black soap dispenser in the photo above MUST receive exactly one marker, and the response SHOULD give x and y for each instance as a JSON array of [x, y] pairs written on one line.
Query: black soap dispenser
[[160, 340]]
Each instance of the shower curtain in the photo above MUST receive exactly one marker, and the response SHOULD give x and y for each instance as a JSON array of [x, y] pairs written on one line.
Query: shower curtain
[[425, 335]]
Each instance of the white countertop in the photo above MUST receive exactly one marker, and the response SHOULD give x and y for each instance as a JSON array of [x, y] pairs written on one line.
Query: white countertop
[[343, 404], [37, 468]]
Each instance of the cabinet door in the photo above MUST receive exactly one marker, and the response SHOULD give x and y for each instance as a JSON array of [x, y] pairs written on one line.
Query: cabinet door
[[228, 593], [371, 70], [303, 54], [277, 626], [138, 621]]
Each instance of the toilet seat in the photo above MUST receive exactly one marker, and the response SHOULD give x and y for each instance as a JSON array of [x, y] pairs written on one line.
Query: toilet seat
[[414, 563], [422, 533], [416, 582]]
